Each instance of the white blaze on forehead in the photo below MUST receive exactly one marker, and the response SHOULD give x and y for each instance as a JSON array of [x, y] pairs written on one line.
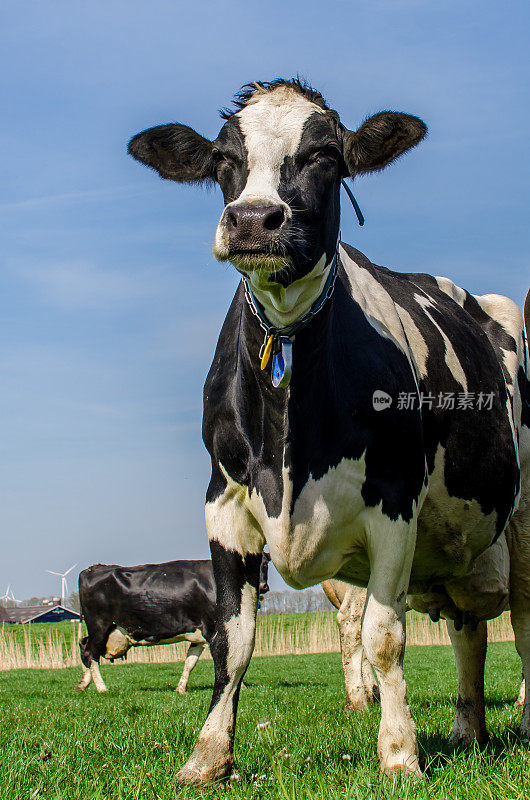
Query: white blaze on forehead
[[272, 127]]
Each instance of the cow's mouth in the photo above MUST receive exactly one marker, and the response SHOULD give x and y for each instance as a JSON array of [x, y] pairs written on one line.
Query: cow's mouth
[[258, 260]]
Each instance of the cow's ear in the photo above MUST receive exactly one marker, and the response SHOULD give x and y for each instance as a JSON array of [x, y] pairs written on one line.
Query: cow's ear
[[177, 152], [380, 140]]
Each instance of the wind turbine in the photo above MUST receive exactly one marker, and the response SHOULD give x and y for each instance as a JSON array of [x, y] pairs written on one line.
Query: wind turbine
[[64, 585], [13, 598], [6, 596]]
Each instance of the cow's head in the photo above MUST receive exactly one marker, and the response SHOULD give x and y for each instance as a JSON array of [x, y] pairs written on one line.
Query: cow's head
[[279, 159], [264, 574]]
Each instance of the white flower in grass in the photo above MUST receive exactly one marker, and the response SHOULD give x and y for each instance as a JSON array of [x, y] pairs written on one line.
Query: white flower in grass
[[262, 725], [346, 757], [308, 760], [235, 778]]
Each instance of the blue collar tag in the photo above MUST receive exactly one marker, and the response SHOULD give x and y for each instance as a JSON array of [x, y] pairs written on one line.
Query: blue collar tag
[[282, 364]]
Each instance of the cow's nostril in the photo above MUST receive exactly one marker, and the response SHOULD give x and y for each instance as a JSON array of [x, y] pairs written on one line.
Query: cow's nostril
[[274, 219], [232, 220]]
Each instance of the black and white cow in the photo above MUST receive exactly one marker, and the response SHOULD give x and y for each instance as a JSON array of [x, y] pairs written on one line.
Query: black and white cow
[[149, 604], [399, 497]]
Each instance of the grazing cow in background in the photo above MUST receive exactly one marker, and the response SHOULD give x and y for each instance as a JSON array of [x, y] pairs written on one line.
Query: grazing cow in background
[[367, 425], [150, 604]]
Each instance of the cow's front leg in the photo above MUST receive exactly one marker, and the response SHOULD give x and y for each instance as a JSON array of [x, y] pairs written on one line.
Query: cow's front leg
[[237, 580], [391, 549], [470, 653], [359, 681]]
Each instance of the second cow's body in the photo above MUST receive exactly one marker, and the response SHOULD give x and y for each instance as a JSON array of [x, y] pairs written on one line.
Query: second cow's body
[[146, 605]]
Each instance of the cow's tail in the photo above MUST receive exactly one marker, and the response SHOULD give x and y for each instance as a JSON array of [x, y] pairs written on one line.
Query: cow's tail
[[80, 627]]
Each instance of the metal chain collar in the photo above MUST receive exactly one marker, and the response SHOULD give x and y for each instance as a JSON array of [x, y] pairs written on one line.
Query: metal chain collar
[[290, 330], [277, 342]]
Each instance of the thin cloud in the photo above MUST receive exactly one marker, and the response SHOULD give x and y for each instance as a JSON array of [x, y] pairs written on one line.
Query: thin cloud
[[88, 196]]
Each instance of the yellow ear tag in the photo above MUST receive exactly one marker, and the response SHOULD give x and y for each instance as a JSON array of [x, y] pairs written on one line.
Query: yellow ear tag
[[267, 352]]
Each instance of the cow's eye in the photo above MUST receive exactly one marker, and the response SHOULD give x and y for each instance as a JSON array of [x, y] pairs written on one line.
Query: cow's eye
[[223, 159], [329, 153]]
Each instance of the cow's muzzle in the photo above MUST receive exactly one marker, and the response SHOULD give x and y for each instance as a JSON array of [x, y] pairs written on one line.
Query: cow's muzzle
[[250, 235], [252, 228]]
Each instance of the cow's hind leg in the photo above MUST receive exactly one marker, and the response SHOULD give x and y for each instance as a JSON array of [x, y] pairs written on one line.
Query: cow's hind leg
[[90, 647], [518, 537], [84, 680], [391, 547], [193, 655], [361, 686], [86, 677], [470, 653], [237, 581], [99, 683]]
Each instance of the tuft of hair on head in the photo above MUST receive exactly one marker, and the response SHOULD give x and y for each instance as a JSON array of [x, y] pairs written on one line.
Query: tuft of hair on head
[[252, 91]]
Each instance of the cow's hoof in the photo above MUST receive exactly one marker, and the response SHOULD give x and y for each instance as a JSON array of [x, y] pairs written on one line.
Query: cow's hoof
[[463, 738], [360, 701], [181, 690], [356, 708], [193, 775], [518, 703], [460, 741], [411, 770], [102, 690], [80, 687]]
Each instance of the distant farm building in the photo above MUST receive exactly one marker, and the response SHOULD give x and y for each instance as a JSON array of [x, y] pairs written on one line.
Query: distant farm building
[[23, 614]]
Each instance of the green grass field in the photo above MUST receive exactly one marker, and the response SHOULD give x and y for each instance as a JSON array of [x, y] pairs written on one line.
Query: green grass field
[[130, 743]]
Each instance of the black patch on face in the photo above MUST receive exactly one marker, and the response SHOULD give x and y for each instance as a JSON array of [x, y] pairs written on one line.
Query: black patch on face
[[310, 185], [231, 161]]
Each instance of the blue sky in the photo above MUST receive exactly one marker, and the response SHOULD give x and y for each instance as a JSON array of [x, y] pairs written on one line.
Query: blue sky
[[110, 298]]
